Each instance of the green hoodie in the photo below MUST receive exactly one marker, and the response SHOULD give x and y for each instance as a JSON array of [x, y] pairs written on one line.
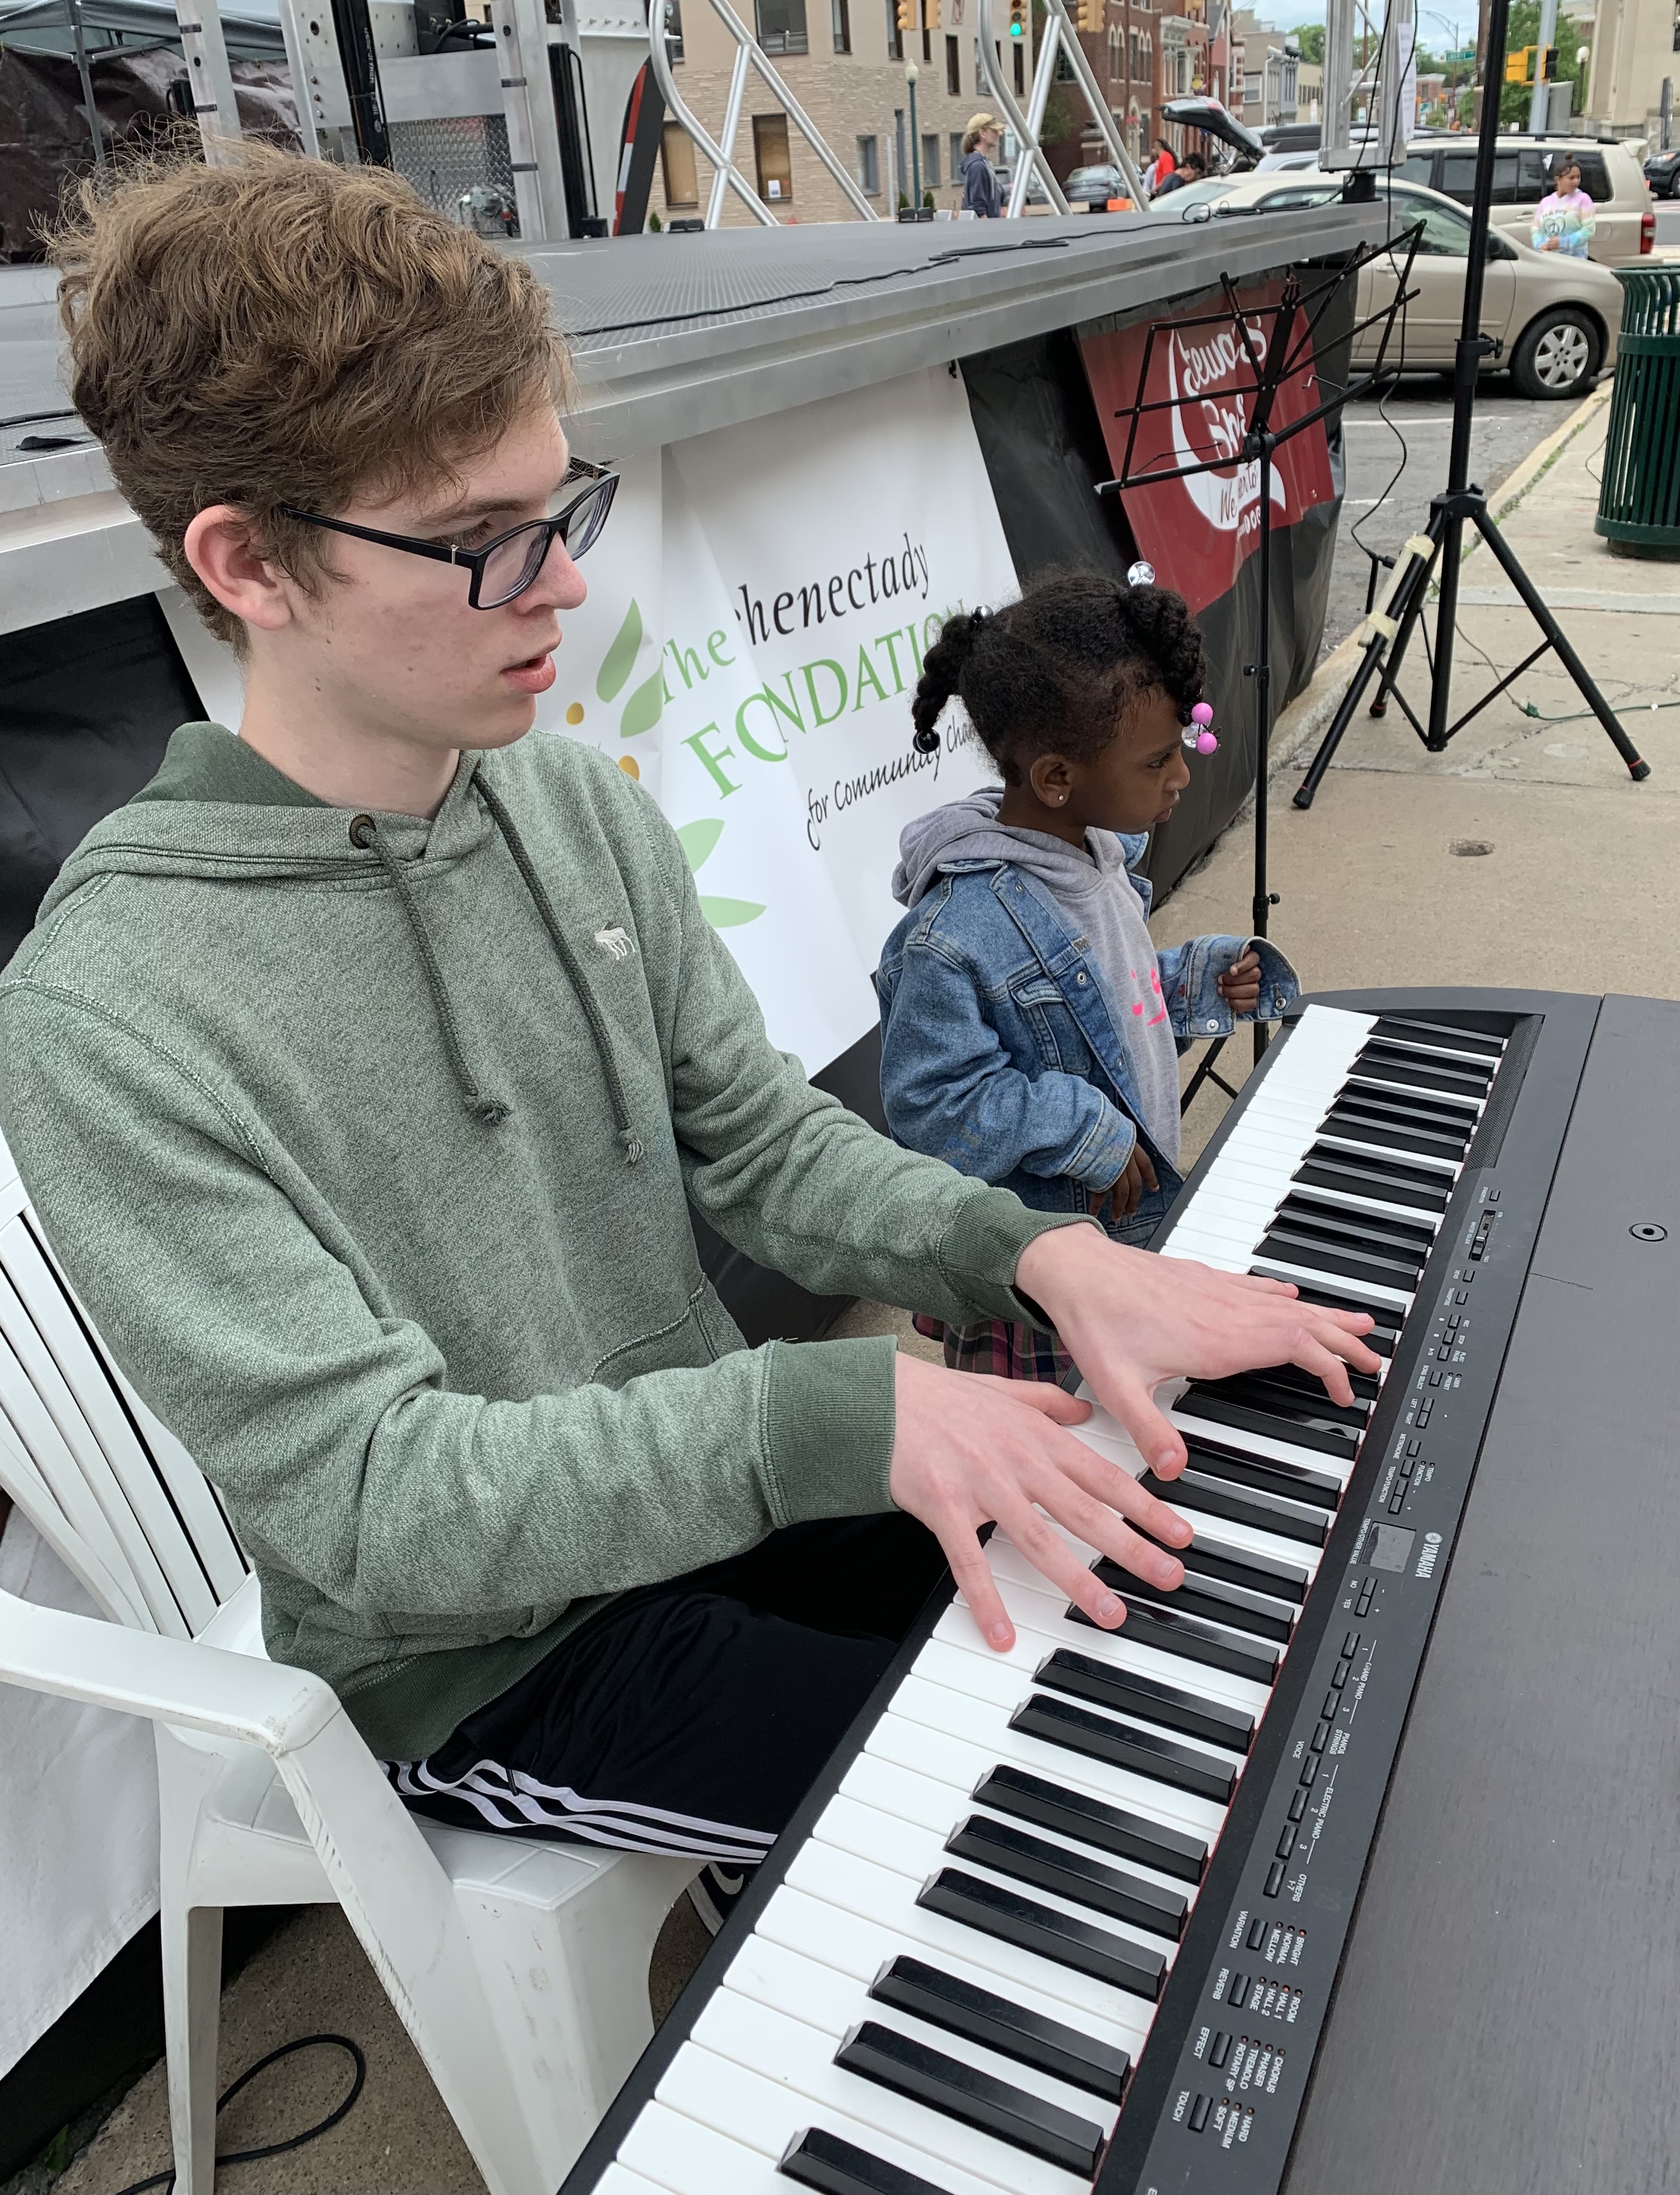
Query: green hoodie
[[366, 1142]]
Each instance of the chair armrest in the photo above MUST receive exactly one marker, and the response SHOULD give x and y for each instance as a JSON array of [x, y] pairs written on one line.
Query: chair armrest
[[174, 1680]]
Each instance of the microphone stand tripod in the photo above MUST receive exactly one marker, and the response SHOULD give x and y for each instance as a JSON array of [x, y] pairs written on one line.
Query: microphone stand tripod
[[1442, 543]]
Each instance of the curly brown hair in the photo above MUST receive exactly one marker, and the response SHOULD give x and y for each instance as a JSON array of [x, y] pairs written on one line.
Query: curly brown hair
[[277, 330], [1054, 672]]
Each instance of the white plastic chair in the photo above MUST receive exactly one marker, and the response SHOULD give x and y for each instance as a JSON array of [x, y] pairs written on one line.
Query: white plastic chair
[[519, 1969]]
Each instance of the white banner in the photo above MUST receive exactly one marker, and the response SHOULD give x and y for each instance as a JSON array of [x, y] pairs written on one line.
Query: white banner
[[759, 607]]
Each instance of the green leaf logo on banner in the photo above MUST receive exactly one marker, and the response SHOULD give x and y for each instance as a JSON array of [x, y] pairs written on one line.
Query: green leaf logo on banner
[[642, 709], [697, 840], [728, 914], [620, 658]]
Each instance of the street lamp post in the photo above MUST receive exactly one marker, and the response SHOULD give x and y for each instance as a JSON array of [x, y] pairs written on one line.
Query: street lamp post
[[915, 142]]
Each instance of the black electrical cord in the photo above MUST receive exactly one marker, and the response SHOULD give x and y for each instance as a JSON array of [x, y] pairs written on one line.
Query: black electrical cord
[[166, 2180], [823, 289]]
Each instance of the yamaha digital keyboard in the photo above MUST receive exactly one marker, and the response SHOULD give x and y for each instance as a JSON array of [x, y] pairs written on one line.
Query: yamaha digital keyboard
[[1350, 1863]]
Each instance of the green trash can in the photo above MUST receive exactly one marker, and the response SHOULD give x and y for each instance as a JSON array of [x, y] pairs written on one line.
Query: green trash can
[[1639, 504]]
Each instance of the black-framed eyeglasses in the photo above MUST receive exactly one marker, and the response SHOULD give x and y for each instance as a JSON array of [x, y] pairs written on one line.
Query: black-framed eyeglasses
[[504, 567]]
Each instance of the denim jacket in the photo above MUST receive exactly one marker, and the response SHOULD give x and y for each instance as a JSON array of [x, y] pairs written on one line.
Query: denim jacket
[[1000, 1055]]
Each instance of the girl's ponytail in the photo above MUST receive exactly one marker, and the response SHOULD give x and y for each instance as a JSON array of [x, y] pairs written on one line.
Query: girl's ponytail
[[942, 669]]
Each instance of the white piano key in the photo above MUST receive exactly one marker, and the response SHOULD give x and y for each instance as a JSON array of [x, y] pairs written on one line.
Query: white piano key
[[936, 1706], [858, 1888], [1240, 1179], [683, 2157], [615, 2181], [1042, 1626], [1373, 1078], [1444, 1050], [799, 2059], [833, 2003], [703, 2089], [858, 1946], [1448, 1169]]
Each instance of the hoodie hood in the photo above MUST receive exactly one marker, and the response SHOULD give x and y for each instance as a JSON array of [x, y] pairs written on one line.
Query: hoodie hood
[[967, 834], [217, 810]]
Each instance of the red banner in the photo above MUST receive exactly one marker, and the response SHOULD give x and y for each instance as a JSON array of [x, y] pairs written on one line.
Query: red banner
[[1197, 531]]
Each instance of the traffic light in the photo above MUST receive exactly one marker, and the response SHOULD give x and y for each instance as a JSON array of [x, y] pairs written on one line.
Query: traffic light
[[906, 16], [1093, 16], [1549, 66], [930, 15], [1017, 18], [1516, 65]]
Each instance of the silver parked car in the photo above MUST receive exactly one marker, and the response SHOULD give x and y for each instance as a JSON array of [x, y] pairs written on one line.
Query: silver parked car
[[1555, 318]]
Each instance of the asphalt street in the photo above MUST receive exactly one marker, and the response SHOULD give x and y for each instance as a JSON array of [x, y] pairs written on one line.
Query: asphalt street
[[1415, 423]]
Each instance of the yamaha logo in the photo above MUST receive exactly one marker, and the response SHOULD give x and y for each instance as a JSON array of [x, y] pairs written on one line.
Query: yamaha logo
[[1426, 1560]]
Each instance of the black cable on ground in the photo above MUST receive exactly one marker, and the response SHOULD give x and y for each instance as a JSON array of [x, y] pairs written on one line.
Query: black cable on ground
[[166, 2180]]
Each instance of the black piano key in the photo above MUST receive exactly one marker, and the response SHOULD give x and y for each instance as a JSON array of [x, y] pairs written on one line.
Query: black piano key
[[1439, 1035], [1370, 1101], [1221, 1496], [1220, 1410], [1385, 1331], [962, 2092], [1366, 1384], [816, 2159], [1390, 1135], [1375, 1231], [1325, 1172], [1385, 1232], [1259, 1573], [1094, 1822], [1169, 1631], [1281, 1398], [1261, 1614], [1073, 1875], [1451, 1077], [1416, 1093], [1143, 1752], [1290, 1247], [1146, 1697], [1429, 1181], [995, 1911], [1297, 1482], [945, 2001]]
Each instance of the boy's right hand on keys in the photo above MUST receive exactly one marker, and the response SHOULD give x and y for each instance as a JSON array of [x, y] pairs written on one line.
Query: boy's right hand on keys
[[1136, 1176]]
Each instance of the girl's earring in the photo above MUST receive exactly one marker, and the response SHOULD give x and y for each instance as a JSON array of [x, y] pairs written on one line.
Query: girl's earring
[[1198, 732]]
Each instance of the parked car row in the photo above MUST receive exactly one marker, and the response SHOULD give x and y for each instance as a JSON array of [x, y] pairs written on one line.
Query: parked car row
[[1553, 318]]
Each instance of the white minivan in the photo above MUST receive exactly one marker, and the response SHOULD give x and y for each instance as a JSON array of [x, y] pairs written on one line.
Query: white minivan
[[1523, 168]]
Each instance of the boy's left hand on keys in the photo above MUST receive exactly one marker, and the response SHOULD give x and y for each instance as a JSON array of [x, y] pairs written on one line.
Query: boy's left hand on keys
[[1240, 985]]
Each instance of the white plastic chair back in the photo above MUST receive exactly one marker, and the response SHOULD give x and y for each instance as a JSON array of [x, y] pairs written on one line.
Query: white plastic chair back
[[110, 1488]]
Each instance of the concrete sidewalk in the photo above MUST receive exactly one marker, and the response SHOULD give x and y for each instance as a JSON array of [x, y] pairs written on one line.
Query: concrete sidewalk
[[1522, 855]]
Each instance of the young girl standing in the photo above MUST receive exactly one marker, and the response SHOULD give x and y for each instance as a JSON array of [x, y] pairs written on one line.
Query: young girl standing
[[1030, 1029]]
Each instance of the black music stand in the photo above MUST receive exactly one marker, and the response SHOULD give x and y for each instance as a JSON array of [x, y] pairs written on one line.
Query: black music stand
[[1462, 503], [1286, 357]]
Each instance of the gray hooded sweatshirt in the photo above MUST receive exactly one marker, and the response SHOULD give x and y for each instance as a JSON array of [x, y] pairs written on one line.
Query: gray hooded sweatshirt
[[1097, 895], [365, 1141]]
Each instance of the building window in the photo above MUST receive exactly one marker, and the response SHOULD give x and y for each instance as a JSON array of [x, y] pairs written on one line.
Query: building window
[[781, 26], [927, 44], [955, 156], [930, 161], [894, 36], [843, 26], [953, 68], [869, 166], [674, 30], [1016, 46], [769, 150], [1115, 61], [676, 162], [1064, 67]]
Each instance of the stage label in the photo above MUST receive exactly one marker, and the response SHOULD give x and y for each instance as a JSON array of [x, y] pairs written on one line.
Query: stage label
[[1198, 531]]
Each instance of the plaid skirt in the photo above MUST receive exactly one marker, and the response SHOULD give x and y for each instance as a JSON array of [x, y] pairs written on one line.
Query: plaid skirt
[[1008, 1349]]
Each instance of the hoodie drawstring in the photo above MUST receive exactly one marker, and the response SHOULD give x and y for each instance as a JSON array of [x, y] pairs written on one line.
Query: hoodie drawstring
[[573, 967], [365, 833]]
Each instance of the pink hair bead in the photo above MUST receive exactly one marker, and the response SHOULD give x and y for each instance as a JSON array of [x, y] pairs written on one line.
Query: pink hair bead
[[1202, 713], [1205, 743]]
